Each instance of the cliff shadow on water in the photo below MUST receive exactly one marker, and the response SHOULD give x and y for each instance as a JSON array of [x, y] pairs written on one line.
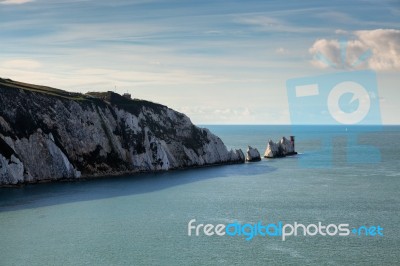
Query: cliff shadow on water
[[48, 194]]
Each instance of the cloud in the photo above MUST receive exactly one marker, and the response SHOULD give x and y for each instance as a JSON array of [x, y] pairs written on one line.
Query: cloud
[[375, 49], [281, 51], [341, 32], [271, 24], [220, 115], [385, 45], [21, 64], [335, 16], [14, 2]]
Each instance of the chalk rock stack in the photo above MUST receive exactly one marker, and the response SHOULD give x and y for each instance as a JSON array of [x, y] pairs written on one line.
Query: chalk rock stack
[[282, 148], [252, 155]]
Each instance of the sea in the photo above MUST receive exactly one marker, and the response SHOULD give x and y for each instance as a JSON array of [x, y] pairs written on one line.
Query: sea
[[344, 176]]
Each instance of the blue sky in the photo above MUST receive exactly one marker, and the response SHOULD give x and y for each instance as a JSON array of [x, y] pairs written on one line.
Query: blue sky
[[220, 62]]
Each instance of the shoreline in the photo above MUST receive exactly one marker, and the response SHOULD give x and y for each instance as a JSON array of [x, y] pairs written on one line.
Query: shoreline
[[114, 174]]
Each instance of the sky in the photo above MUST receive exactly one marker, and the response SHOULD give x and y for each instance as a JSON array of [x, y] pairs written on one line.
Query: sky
[[219, 62]]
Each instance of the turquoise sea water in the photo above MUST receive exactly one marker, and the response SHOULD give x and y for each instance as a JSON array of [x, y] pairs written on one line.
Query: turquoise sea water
[[143, 219]]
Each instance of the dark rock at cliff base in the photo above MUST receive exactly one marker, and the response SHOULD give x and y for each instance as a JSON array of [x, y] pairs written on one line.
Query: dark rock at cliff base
[[49, 134]]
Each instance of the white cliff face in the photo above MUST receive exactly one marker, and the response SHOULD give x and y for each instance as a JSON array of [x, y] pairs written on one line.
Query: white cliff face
[[252, 154], [47, 137], [280, 149], [43, 158], [11, 170]]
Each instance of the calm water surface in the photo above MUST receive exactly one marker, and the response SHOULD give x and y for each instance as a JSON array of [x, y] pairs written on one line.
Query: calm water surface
[[142, 219]]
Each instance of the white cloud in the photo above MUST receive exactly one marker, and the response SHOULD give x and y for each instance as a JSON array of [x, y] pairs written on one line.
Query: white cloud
[[342, 32], [14, 2], [281, 51], [270, 24], [21, 64], [335, 16], [218, 115], [383, 44]]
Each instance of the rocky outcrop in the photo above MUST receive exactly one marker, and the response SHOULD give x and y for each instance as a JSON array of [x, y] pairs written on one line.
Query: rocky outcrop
[[282, 148], [252, 155], [49, 134]]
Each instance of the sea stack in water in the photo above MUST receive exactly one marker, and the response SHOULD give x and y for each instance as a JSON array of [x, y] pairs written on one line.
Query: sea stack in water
[[282, 148], [253, 155], [50, 134]]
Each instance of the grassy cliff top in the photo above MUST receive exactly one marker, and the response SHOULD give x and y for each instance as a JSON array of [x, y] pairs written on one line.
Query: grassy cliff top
[[41, 89], [130, 105]]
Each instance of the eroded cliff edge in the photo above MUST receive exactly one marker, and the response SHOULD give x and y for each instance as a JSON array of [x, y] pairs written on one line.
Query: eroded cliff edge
[[50, 134]]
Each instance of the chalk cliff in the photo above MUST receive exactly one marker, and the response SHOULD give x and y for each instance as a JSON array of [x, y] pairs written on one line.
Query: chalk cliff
[[49, 134]]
